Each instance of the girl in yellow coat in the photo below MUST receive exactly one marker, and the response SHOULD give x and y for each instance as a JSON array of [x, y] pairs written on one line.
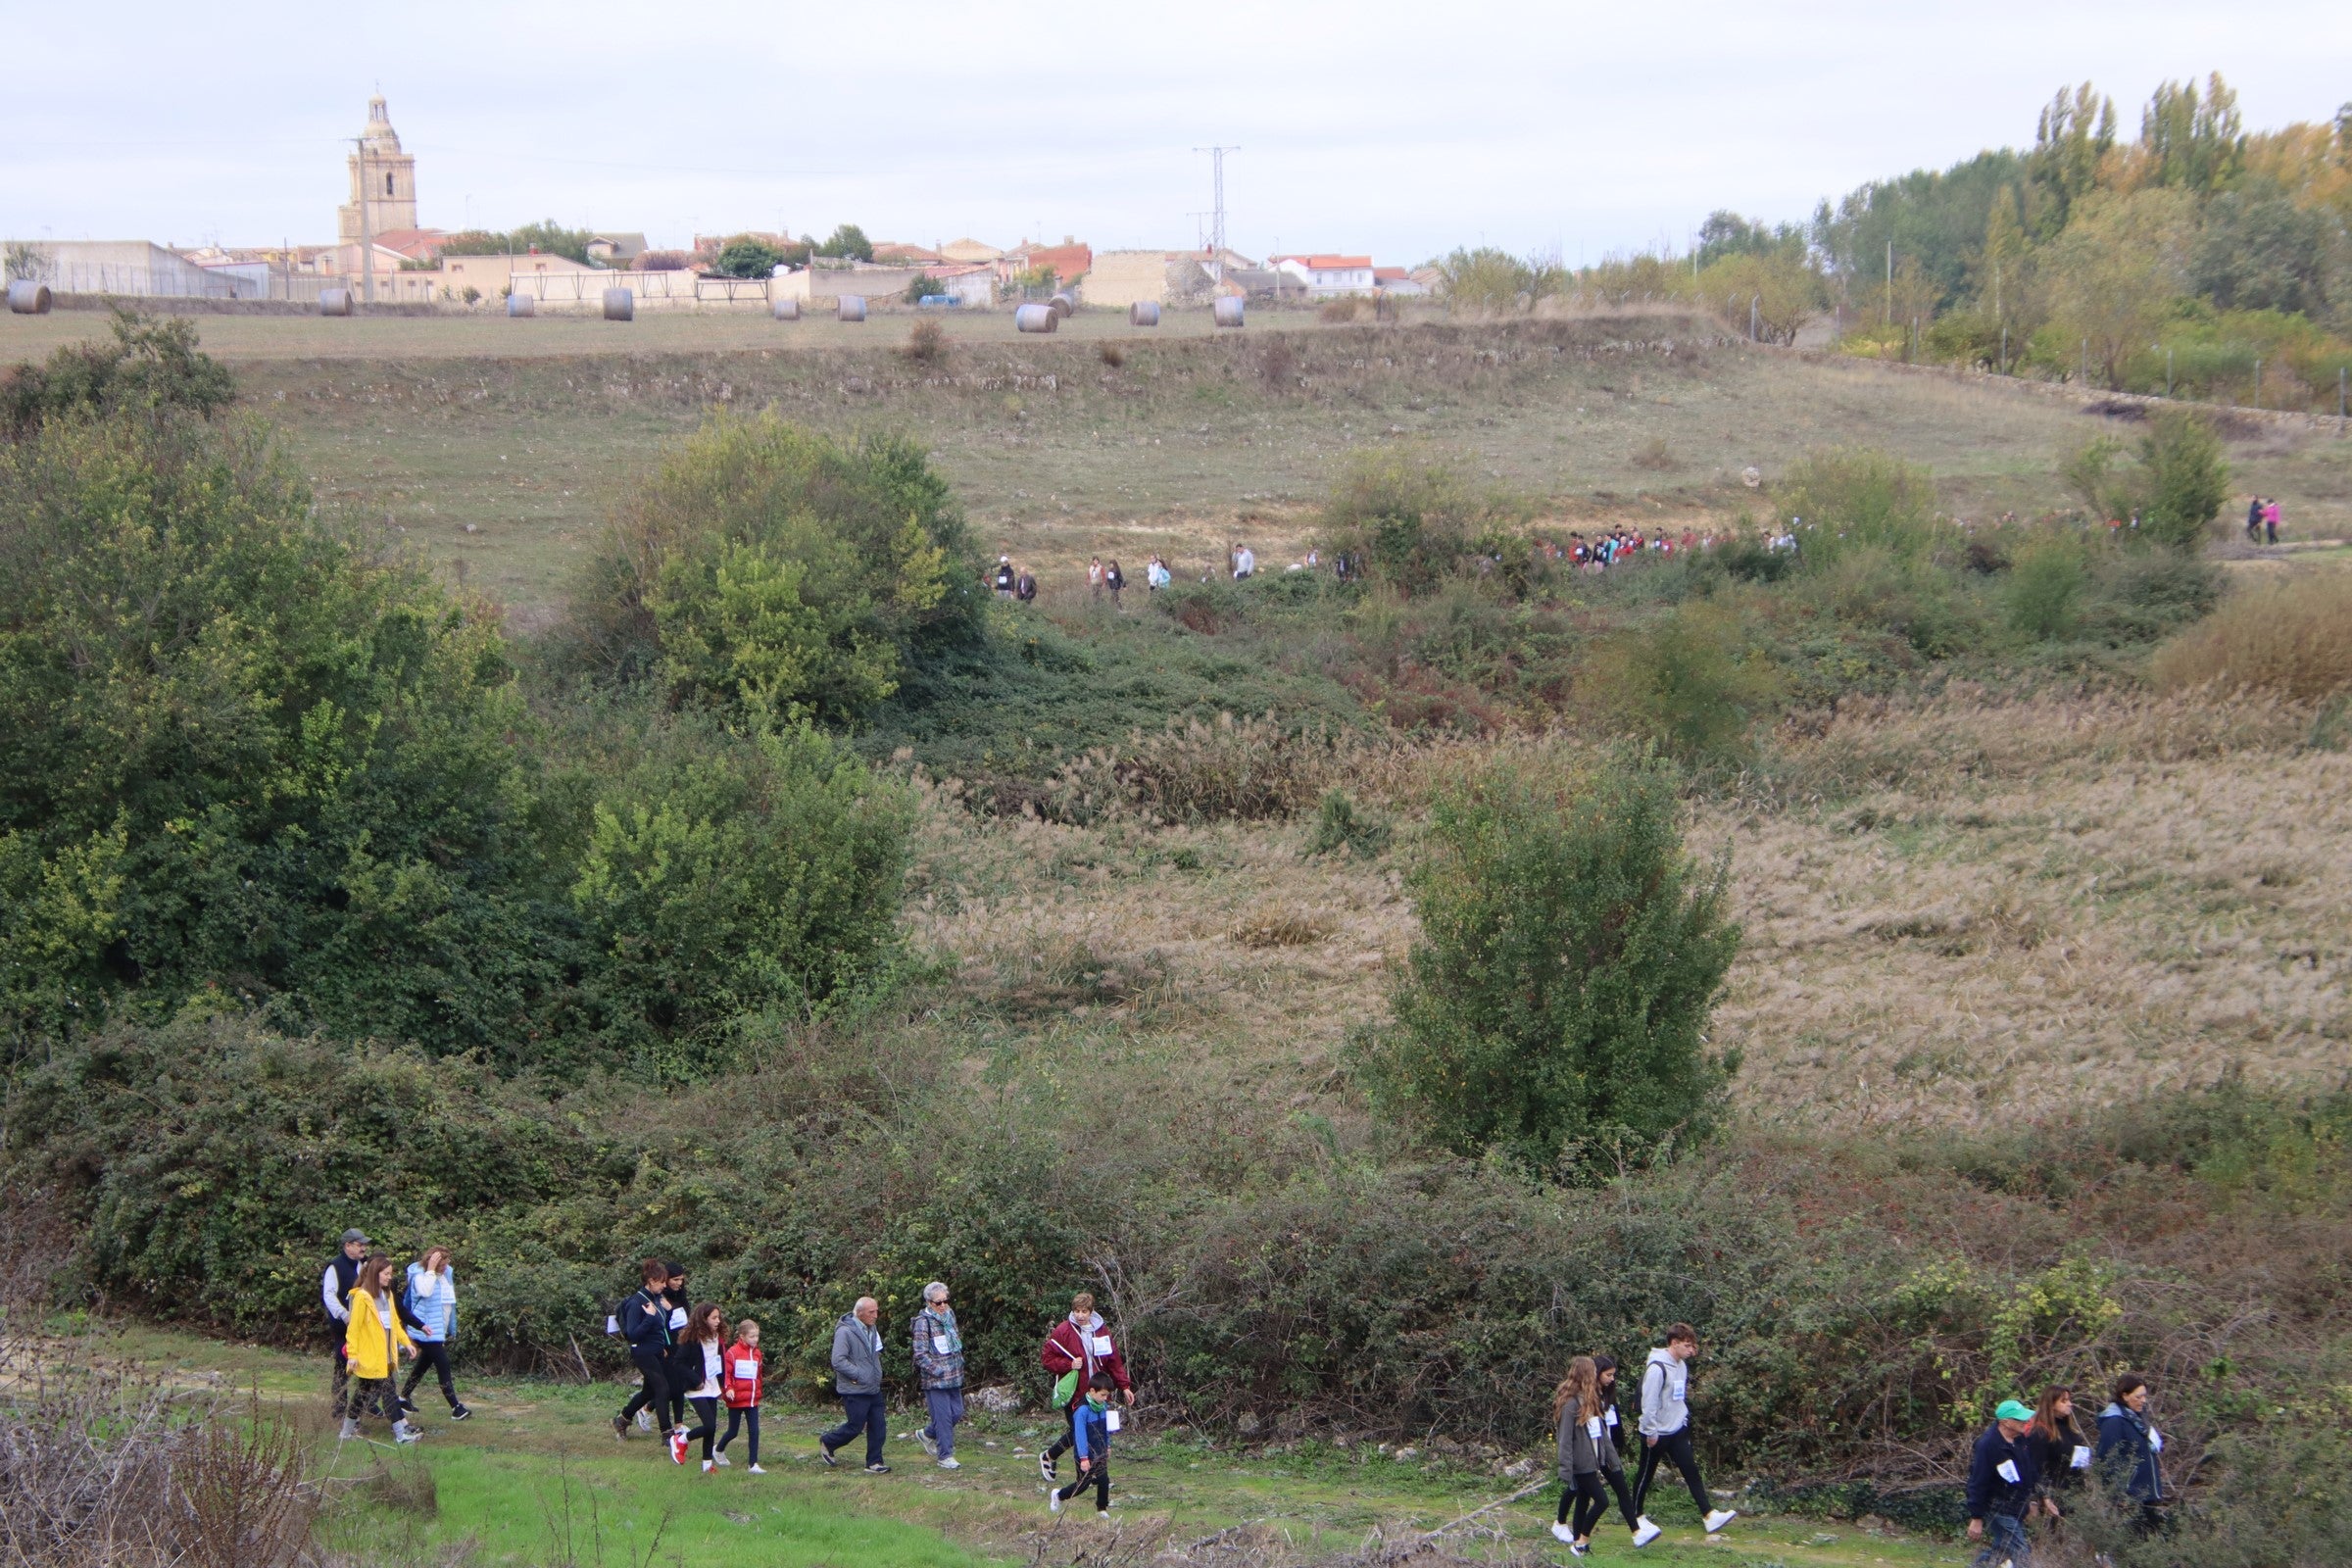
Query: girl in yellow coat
[[374, 1343]]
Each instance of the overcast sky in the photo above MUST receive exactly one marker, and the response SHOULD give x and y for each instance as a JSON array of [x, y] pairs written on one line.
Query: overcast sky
[[1402, 130]]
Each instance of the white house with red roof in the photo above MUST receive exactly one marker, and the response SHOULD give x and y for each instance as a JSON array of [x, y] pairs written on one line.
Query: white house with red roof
[[1327, 275]]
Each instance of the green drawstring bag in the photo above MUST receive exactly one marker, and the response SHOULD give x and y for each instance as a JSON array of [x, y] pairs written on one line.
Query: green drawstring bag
[[1064, 1388]]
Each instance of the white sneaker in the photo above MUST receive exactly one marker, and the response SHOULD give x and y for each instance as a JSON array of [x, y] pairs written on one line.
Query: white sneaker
[[1721, 1517], [951, 1462], [402, 1431], [645, 1420], [720, 1458], [929, 1443], [351, 1430], [1053, 1502], [755, 1470], [1562, 1533], [1648, 1533], [1577, 1548], [710, 1465]]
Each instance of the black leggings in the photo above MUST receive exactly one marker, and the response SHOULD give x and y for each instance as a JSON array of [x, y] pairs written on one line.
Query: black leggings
[[707, 1414], [1069, 1434], [1615, 1477], [1675, 1446], [433, 1355], [746, 1416], [653, 1364], [1097, 1476], [1583, 1489]]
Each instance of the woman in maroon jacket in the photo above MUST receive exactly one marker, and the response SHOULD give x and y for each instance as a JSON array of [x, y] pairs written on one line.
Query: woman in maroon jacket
[[1080, 1343]]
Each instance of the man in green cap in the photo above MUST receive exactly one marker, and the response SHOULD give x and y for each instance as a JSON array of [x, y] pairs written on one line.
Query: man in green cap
[[2001, 1474]]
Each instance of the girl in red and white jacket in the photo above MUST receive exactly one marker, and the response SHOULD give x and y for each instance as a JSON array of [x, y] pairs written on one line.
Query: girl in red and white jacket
[[739, 1385]]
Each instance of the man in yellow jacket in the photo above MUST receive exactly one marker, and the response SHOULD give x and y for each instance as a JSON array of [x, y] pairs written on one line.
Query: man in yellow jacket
[[374, 1344]]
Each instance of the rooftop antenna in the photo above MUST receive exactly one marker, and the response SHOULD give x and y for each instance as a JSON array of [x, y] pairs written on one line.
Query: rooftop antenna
[[1216, 235]]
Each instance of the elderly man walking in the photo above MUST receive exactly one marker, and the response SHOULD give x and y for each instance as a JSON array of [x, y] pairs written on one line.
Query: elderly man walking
[[939, 1363], [858, 1379]]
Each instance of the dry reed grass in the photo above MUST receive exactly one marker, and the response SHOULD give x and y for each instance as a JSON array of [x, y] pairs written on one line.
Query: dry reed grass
[[2292, 637], [1955, 912]]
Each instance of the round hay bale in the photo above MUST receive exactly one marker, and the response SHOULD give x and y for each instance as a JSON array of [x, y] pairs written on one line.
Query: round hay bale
[[620, 304], [334, 302], [849, 308], [1144, 313], [522, 305], [788, 310], [1065, 303], [1227, 312], [1036, 319], [28, 298]]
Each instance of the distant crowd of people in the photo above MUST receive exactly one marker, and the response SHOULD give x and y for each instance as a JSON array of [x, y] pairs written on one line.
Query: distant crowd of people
[[2025, 1466]]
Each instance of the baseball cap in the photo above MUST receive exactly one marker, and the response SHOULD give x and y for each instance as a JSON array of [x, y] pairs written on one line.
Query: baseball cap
[[2012, 1411], [352, 1236]]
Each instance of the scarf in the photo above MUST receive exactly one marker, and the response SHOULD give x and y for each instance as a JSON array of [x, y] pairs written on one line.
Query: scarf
[[945, 1318]]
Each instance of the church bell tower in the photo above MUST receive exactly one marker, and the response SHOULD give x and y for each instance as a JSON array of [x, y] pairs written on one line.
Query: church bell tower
[[388, 186]]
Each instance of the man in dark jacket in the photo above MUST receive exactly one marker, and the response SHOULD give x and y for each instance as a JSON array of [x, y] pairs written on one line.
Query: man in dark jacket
[[334, 1293], [645, 1325], [2001, 1478]]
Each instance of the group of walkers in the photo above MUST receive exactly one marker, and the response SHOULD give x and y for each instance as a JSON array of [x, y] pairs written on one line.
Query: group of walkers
[[2022, 1467], [2028, 1462], [376, 1313], [2261, 517]]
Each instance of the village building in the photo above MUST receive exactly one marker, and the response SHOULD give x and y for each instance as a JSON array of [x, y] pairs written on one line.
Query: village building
[[1328, 276]]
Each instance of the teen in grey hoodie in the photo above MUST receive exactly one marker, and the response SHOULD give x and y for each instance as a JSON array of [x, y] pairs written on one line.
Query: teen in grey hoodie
[[858, 1380], [1666, 1424]]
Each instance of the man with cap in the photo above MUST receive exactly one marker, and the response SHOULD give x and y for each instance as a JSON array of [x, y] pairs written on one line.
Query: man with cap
[[334, 1293], [2001, 1478]]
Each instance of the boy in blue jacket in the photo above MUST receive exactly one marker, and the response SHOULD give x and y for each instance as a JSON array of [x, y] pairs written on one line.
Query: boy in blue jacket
[[1093, 1427]]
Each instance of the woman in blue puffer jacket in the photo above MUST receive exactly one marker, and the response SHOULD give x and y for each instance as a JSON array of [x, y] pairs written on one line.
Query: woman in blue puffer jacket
[[431, 1301]]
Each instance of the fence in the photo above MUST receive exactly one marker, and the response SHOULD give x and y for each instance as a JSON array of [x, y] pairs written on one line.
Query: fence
[[653, 290]]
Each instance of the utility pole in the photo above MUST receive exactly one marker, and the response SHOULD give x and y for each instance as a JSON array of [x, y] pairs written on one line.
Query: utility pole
[[367, 230], [1891, 282], [1216, 232]]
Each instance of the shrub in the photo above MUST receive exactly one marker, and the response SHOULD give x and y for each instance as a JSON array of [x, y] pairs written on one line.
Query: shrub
[[927, 343], [1200, 770], [1413, 521], [1687, 683], [769, 567], [2046, 586], [245, 757], [1341, 824], [746, 256], [1556, 1004], [1861, 499], [731, 875], [1876, 589], [152, 364], [2184, 480], [2294, 638]]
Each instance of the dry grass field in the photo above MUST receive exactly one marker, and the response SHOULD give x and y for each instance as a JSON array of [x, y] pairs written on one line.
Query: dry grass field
[[496, 445]]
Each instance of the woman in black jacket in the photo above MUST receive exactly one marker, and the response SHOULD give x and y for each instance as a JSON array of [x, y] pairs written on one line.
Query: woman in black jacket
[[2060, 1451]]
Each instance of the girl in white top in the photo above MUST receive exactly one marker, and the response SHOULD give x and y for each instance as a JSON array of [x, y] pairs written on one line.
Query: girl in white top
[[696, 1368]]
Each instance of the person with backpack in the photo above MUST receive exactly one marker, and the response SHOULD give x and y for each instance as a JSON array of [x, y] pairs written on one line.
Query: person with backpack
[[695, 1365], [939, 1366], [1024, 587], [430, 1314], [645, 1325], [1091, 1424], [335, 1283], [1584, 1453], [858, 1381], [2002, 1483], [674, 1292], [739, 1374], [1113, 579], [374, 1343], [1666, 1425], [1604, 1372], [2129, 1449], [1078, 1347]]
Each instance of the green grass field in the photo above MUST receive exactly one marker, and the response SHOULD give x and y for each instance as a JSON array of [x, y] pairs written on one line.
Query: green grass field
[[537, 1478]]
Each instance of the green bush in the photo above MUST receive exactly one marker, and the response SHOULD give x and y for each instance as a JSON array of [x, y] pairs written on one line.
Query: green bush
[[1413, 521], [151, 365], [247, 759], [1341, 824], [2047, 578], [2185, 478], [1856, 498], [746, 256], [1876, 589], [1556, 1004], [772, 568], [1689, 683], [727, 875]]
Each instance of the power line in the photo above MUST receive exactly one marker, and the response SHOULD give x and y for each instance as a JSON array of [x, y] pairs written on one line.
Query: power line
[[1216, 234]]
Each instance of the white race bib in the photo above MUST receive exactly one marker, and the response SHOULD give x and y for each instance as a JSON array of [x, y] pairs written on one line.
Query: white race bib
[[1612, 1416], [2155, 1441], [1110, 1420], [746, 1371], [611, 1324], [2081, 1459], [942, 1346], [1101, 1345], [677, 1317], [1593, 1429], [2007, 1471]]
